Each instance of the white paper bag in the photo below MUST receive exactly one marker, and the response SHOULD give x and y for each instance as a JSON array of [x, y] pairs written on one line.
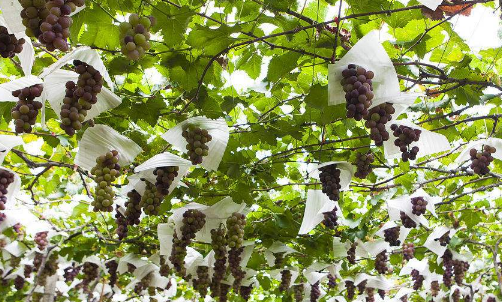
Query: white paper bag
[[403, 204], [432, 242], [275, 248], [317, 204], [6, 89], [492, 141], [100, 139], [429, 142], [370, 54], [55, 86], [219, 131], [86, 55], [166, 159], [346, 172], [7, 142]]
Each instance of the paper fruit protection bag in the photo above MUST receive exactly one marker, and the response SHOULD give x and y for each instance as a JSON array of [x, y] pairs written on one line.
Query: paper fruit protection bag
[[219, 131], [317, 204], [370, 54], [55, 79], [99, 140]]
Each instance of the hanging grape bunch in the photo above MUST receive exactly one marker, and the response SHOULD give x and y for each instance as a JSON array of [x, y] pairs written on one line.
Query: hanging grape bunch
[[491, 299], [28, 269], [34, 11], [245, 292], [435, 288], [26, 110], [459, 269], [315, 292], [121, 224], [455, 297], [164, 178], [50, 268], [363, 164], [418, 279], [381, 293], [71, 272], [351, 253], [351, 289], [55, 27], [381, 263], [481, 160], [408, 251], [407, 221], [19, 282], [405, 137], [201, 284], [376, 119], [391, 235], [197, 140], [331, 281], [9, 44], [164, 270], [330, 219], [224, 289], [37, 260], [448, 268], [285, 280], [106, 172], [444, 240], [193, 221], [357, 84], [6, 178], [298, 292], [279, 260], [151, 200], [41, 240], [234, 265], [330, 180], [235, 237], [135, 36], [419, 205], [133, 207], [219, 246], [370, 294], [80, 97], [90, 271]]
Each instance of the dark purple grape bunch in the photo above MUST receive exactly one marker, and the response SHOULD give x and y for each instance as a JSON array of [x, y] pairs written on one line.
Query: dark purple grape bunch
[[330, 180], [351, 253], [298, 292], [491, 299], [419, 205], [444, 240], [331, 281], [381, 263], [391, 235], [481, 160], [351, 289], [455, 297], [133, 208], [363, 164], [41, 240], [405, 137], [407, 221], [6, 178], [459, 269], [448, 268], [418, 280], [330, 219], [55, 27], [71, 272], [376, 119], [121, 222], [357, 84], [19, 282], [112, 267], [315, 292], [245, 292], [26, 110], [164, 178], [408, 251], [9, 44], [436, 288]]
